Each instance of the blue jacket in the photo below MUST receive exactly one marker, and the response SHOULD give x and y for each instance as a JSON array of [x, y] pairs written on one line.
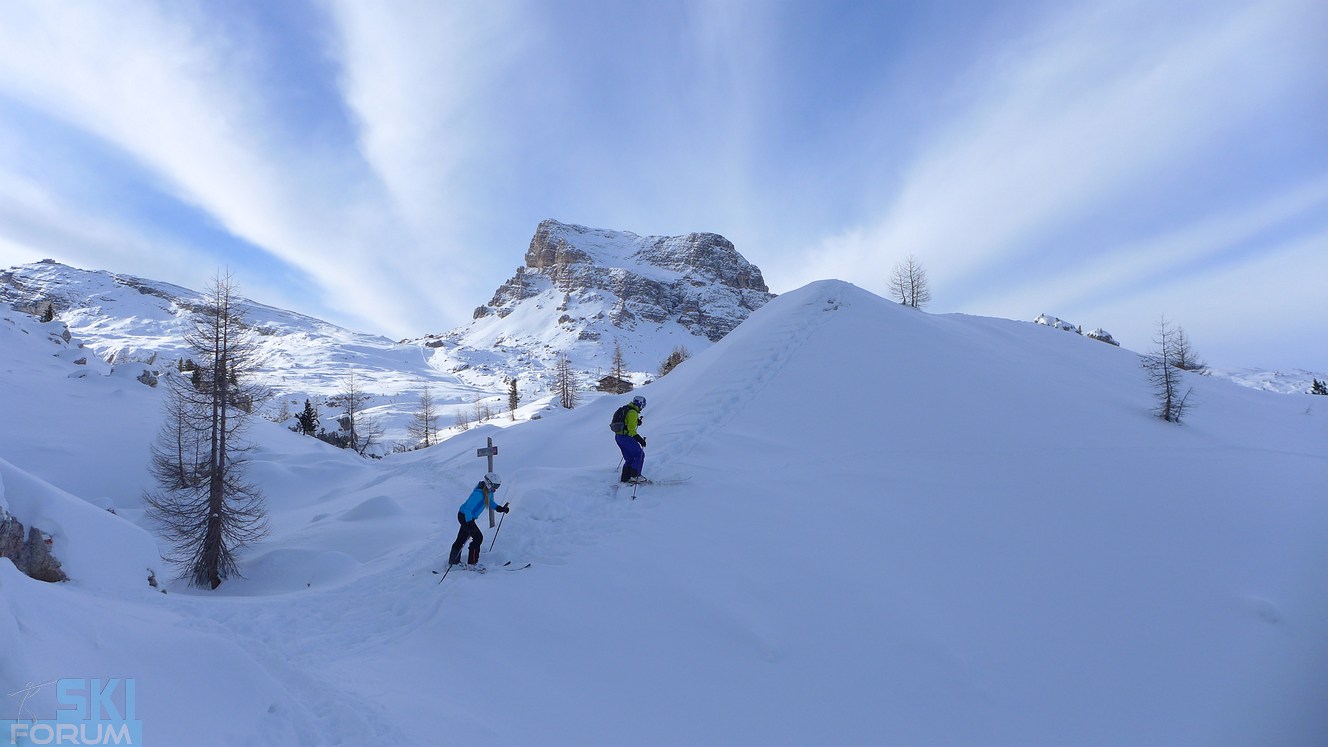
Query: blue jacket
[[474, 505]]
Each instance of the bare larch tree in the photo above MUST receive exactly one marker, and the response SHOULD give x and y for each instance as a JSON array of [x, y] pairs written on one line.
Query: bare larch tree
[[360, 430], [565, 383], [1186, 359], [619, 366], [423, 425], [908, 283], [207, 509], [1164, 375]]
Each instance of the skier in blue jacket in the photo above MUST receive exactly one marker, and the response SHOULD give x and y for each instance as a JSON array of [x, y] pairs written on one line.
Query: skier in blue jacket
[[631, 443], [466, 516]]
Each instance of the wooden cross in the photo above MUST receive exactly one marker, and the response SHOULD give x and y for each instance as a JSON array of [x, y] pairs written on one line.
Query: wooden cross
[[489, 452]]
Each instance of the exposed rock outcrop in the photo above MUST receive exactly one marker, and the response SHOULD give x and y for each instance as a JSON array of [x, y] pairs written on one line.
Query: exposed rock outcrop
[[30, 550], [698, 280]]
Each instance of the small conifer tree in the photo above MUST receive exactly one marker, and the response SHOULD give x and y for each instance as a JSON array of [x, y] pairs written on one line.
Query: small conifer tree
[[307, 419], [513, 398]]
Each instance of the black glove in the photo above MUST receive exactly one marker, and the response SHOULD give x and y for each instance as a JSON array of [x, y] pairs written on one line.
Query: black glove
[[502, 509], [641, 439]]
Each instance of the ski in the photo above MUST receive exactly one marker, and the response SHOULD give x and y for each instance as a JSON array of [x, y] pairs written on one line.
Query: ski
[[648, 481], [504, 567], [662, 483], [467, 568]]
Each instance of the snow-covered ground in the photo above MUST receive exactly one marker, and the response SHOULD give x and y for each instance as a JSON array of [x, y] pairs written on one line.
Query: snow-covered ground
[[126, 321], [900, 528], [1293, 381]]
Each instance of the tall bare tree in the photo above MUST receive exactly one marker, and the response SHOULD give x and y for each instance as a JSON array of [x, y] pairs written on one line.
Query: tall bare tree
[[462, 419], [565, 383], [361, 431], [1165, 376], [908, 283], [423, 426], [481, 411], [1185, 358], [208, 510], [619, 366]]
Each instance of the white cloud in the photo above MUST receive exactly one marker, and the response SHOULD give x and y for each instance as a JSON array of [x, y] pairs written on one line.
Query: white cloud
[[1264, 312], [190, 106], [421, 79], [1085, 111], [593, 115], [1174, 255]]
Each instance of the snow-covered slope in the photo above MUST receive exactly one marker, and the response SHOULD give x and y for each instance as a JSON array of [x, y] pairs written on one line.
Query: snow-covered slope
[[125, 320], [900, 528], [1293, 381]]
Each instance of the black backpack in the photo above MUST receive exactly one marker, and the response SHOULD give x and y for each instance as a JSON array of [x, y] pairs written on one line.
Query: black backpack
[[619, 422]]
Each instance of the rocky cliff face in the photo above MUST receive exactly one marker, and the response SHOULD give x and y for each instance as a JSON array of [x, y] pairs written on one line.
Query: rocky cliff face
[[698, 281]]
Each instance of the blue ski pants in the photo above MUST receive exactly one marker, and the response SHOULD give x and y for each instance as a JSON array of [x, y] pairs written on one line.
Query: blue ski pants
[[633, 454]]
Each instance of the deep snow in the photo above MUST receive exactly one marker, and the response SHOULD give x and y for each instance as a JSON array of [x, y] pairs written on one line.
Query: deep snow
[[901, 528]]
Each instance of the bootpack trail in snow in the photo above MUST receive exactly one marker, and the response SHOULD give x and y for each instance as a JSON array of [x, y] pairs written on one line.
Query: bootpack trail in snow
[[742, 381]]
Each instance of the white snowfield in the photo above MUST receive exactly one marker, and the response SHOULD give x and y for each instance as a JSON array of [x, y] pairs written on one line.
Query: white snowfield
[[900, 528]]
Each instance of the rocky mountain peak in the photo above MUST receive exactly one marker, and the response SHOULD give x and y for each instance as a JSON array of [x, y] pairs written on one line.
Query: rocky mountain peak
[[556, 247], [698, 280]]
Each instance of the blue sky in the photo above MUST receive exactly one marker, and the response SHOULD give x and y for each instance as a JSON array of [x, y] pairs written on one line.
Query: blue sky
[[383, 164]]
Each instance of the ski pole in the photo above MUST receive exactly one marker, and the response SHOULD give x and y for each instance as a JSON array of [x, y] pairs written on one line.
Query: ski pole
[[496, 531], [449, 570]]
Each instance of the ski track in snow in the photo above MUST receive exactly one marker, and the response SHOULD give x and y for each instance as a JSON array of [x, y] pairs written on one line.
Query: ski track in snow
[[325, 627]]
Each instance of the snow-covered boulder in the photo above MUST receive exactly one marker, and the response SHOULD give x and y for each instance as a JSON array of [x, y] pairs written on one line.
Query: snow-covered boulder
[[1103, 336], [1051, 321]]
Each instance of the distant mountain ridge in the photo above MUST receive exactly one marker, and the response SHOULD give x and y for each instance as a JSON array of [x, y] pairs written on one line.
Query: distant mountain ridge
[[582, 292]]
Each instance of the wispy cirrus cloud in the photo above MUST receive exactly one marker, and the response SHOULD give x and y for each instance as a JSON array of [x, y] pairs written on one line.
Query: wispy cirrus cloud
[[385, 164], [1264, 311], [1099, 107], [189, 104]]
